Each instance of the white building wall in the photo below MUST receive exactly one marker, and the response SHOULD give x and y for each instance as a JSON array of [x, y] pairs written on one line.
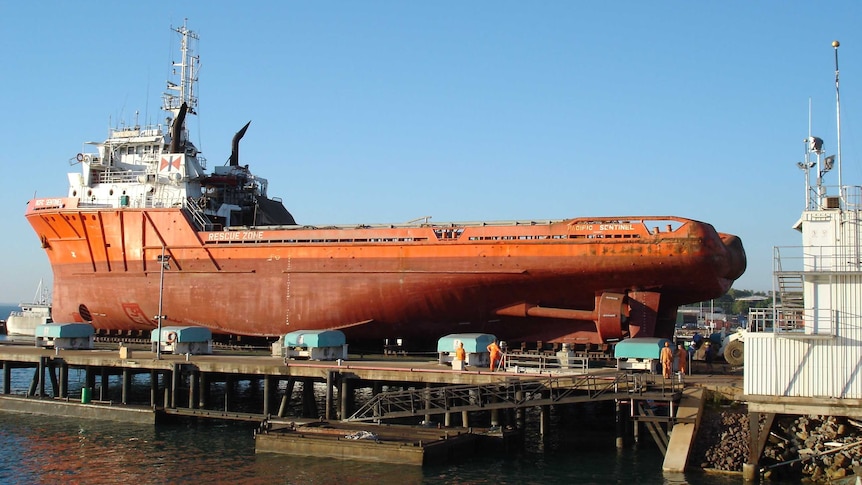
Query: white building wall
[[826, 359], [803, 366]]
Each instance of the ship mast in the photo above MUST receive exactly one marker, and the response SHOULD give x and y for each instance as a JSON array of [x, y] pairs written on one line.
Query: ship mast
[[184, 92]]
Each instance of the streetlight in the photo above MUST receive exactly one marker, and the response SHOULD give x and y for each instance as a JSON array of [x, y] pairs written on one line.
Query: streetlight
[[165, 264]]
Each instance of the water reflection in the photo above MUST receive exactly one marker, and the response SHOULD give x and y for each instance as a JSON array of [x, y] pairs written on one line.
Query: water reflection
[[580, 450]]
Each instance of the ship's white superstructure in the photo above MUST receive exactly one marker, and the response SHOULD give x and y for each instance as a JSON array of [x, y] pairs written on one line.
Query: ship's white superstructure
[[158, 165]]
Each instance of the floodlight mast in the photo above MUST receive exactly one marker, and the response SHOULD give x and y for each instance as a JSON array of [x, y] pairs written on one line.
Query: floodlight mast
[[806, 167], [814, 145], [835, 45], [807, 164]]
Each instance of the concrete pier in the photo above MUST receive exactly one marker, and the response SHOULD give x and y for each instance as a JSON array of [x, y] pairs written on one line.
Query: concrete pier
[[682, 438], [184, 385]]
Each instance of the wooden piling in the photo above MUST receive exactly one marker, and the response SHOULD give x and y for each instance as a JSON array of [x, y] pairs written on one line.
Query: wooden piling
[[346, 397], [327, 414], [7, 377], [309, 405], [126, 386]]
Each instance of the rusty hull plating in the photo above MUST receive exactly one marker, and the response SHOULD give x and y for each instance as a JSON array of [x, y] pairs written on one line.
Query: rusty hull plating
[[239, 264], [578, 280]]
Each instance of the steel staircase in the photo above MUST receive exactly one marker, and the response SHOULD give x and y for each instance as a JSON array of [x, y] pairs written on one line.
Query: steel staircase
[[790, 285]]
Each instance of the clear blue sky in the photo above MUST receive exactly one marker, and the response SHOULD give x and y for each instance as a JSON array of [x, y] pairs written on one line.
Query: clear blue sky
[[373, 111]]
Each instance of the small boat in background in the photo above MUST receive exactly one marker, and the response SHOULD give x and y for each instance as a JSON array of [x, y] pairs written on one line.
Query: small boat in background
[[24, 322]]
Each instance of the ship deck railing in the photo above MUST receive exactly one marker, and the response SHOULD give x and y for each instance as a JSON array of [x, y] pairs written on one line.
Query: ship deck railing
[[139, 202], [194, 209], [122, 176], [297, 227]]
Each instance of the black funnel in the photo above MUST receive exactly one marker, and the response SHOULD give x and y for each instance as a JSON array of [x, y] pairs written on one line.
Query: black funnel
[[234, 147], [177, 129]]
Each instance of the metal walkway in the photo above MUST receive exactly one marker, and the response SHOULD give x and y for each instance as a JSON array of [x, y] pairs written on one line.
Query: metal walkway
[[513, 393]]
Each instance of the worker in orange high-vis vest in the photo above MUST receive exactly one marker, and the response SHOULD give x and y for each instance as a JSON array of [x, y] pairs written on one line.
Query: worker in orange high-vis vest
[[460, 354], [666, 358], [496, 354]]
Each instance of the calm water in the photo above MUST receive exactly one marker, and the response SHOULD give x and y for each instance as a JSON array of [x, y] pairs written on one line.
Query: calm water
[[39, 449], [6, 308]]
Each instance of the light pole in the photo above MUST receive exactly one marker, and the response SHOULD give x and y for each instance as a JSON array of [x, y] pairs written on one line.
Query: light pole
[[165, 264]]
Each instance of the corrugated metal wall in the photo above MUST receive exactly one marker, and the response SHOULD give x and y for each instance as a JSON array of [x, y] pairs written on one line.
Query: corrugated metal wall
[[805, 365]]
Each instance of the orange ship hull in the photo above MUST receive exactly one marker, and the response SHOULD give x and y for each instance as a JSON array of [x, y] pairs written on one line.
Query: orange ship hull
[[578, 281]]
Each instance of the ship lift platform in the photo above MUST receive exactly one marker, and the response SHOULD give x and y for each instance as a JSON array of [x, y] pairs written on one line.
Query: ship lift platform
[[640, 354], [312, 345], [77, 336], [475, 348], [183, 340]]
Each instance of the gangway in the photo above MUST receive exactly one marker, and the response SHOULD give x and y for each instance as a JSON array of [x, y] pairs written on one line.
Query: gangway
[[511, 393]]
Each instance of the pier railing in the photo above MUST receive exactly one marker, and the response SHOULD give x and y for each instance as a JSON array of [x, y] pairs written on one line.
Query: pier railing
[[817, 259], [545, 362], [764, 319]]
